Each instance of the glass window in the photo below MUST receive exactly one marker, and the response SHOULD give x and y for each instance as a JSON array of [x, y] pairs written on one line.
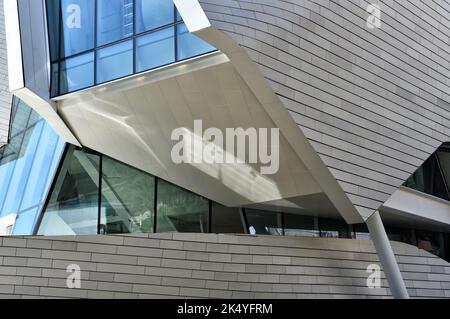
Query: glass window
[[263, 222], [53, 10], [22, 169], [25, 222], [155, 49], [361, 231], [73, 206], [297, 225], [77, 73], [127, 199], [54, 79], [115, 62], [179, 210], [332, 228], [78, 26], [151, 14], [189, 45], [26, 166], [41, 169], [114, 20], [226, 220], [428, 179]]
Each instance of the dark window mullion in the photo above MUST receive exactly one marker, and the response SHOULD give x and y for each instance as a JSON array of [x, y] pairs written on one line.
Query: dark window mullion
[[100, 191], [95, 40], [155, 205], [134, 36]]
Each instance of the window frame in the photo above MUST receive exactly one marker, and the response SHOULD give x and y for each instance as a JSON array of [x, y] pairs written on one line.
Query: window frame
[[58, 62]]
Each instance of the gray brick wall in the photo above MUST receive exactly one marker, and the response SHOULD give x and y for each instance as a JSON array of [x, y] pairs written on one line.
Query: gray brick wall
[[208, 266], [373, 103], [5, 96]]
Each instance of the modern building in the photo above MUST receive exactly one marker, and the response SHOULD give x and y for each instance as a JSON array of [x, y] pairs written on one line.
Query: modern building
[[225, 148]]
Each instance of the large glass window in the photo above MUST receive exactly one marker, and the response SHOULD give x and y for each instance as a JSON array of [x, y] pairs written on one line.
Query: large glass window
[[115, 62], [263, 222], [114, 20], [189, 45], [179, 210], [77, 73], [127, 199], [155, 49], [87, 32], [433, 177], [74, 203], [78, 20], [27, 167], [152, 14], [226, 220]]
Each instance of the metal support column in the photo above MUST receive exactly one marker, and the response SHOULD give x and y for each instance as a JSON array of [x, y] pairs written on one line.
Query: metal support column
[[387, 257]]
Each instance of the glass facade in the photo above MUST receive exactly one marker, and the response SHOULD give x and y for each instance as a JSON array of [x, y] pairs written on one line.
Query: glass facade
[[27, 167], [96, 41], [94, 194]]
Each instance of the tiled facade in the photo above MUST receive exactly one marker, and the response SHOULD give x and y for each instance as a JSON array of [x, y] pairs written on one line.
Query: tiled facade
[[208, 266], [374, 103]]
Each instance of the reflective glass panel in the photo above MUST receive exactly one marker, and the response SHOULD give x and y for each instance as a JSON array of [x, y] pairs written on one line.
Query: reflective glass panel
[[73, 205], [180, 211], [189, 45], [127, 199], [263, 222], [77, 73], [78, 26], [155, 49], [152, 14], [26, 166], [25, 222], [115, 62], [53, 9], [114, 20]]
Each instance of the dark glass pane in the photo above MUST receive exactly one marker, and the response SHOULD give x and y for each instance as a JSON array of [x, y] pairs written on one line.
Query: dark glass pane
[[53, 10], [114, 20], [127, 199], [263, 223], [155, 49], [404, 235], [78, 26], [73, 205], [332, 228], [77, 73], [428, 179], [361, 231], [297, 225], [226, 220], [115, 62], [55, 79], [431, 242], [180, 211], [189, 45], [444, 162], [151, 14]]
